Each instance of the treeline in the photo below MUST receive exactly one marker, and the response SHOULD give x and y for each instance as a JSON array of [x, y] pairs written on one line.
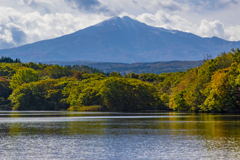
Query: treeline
[[84, 69], [9, 60], [212, 87], [31, 86], [145, 67], [14, 76]]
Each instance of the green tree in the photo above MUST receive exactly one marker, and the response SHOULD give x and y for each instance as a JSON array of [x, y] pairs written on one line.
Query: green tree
[[115, 74], [179, 101], [56, 71], [5, 91], [128, 95], [41, 95], [9, 60], [84, 93], [23, 76], [236, 55]]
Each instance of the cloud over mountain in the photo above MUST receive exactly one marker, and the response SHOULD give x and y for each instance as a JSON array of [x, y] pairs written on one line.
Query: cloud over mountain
[[123, 40], [28, 21]]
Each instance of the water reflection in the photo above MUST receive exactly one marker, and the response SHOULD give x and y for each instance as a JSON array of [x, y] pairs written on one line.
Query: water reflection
[[71, 135]]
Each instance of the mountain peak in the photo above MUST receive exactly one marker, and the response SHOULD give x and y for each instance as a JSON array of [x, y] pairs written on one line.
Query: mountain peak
[[127, 18], [118, 19], [122, 23]]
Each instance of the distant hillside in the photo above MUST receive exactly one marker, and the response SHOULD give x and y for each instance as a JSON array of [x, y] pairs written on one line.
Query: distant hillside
[[122, 40], [124, 68]]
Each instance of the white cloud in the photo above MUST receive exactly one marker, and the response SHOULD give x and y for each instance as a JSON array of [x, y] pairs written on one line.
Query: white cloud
[[233, 32], [204, 28], [6, 36], [137, 7], [209, 29], [225, 3], [164, 20], [38, 27]]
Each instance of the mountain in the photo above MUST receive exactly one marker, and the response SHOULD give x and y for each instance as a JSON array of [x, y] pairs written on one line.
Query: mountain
[[122, 40]]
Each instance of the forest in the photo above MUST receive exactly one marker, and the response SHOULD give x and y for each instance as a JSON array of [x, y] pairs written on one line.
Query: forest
[[212, 87], [141, 67]]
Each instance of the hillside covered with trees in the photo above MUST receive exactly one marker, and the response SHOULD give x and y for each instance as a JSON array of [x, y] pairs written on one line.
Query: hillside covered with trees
[[144, 67], [212, 87]]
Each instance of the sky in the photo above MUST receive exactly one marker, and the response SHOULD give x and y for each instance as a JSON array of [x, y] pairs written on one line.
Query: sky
[[28, 21]]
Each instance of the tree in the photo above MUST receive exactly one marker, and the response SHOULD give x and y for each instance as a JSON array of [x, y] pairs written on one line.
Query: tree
[[5, 91], [122, 94], [56, 71], [236, 55], [179, 101], [131, 75], [115, 74], [223, 94], [9, 60], [26, 97], [41, 95], [23, 76], [78, 75]]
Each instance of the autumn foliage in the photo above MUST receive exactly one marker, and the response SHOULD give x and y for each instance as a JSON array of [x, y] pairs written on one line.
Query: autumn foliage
[[212, 87]]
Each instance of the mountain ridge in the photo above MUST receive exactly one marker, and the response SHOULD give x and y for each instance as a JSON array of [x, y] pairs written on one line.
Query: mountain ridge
[[122, 40], [139, 67]]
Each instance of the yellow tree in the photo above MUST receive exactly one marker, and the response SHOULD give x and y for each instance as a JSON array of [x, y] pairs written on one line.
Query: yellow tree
[[218, 91]]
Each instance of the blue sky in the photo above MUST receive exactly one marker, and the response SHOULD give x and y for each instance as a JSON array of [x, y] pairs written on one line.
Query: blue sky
[[28, 21]]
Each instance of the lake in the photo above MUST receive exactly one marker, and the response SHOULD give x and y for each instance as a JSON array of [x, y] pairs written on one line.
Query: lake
[[105, 135]]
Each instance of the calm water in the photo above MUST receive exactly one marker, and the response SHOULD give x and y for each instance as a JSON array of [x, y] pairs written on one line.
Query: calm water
[[89, 135]]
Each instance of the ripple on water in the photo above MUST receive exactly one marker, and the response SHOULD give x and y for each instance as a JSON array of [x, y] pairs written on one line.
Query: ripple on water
[[156, 137]]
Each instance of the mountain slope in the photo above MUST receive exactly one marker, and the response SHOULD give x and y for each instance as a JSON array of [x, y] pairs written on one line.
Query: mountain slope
[[122, 40]]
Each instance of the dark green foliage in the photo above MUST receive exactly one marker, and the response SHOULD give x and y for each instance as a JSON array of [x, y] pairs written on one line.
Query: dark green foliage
[[9, 60], [5, 91], [151, 77], [84, 69], [179, 101], [115, 74], [96, 76], [35, 66], [132, 75], [138, 68], [236, 55]]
